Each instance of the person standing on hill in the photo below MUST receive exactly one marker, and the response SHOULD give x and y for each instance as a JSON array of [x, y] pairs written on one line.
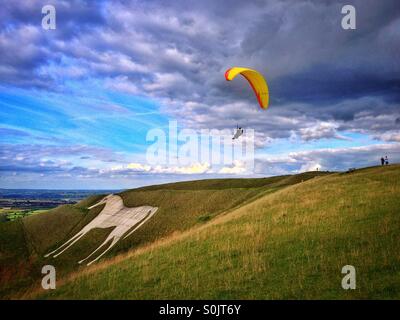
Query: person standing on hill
[[386, 160], [382, 161]]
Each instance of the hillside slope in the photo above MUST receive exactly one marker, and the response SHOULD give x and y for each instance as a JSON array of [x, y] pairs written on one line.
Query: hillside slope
[[286, 245], [181, 206]]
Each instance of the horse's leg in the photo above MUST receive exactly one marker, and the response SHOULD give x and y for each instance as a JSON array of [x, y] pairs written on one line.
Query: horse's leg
[[64, 244], [98, 248], [115, 240], [149, 215], [80, 236]]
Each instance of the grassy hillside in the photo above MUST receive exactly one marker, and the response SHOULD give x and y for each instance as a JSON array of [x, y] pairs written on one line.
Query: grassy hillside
[[15, 264], [23, 243], [182, 206], [218, 184], [284, 245]]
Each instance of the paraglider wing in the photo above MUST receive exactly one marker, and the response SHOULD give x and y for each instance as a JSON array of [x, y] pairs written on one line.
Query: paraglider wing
[[256, 81]]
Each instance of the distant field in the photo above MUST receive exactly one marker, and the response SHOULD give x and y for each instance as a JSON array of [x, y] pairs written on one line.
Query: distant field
[[13, 214], [290, 244], [45, 194], [24, 202]]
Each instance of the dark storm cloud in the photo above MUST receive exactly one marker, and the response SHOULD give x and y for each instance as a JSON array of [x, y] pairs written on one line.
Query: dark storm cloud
[[25, 47], [71, 14], [335, 86], [177, 52]]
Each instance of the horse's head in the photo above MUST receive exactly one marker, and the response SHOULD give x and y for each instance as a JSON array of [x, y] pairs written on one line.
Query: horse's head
[[102, 201]]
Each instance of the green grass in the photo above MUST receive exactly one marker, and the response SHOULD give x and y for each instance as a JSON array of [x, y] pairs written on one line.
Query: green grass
[[13, 214], [182, 206], [221, 184], [289, 244], [14, 257], [3, 216], [23, 242]]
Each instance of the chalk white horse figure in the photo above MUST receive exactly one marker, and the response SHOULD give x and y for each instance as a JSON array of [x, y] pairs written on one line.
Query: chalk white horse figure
[[114, 214]]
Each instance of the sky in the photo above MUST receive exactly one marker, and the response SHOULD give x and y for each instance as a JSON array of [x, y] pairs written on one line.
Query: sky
[[77, 103]]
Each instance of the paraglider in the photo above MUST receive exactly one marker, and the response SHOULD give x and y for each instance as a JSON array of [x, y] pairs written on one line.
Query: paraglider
[[238, 133], [255, 79], [257, 82]]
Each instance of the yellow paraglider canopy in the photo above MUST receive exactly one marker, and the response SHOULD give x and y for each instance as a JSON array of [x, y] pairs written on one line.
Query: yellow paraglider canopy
[[256, 81]]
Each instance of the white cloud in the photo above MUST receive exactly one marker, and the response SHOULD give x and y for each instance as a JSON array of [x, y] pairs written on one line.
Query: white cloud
[[389, 136], [138, 166], [239, 167], [338, 159], [194, 168], [122, 84], [321, 130], [163, 81], [312, 166]]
